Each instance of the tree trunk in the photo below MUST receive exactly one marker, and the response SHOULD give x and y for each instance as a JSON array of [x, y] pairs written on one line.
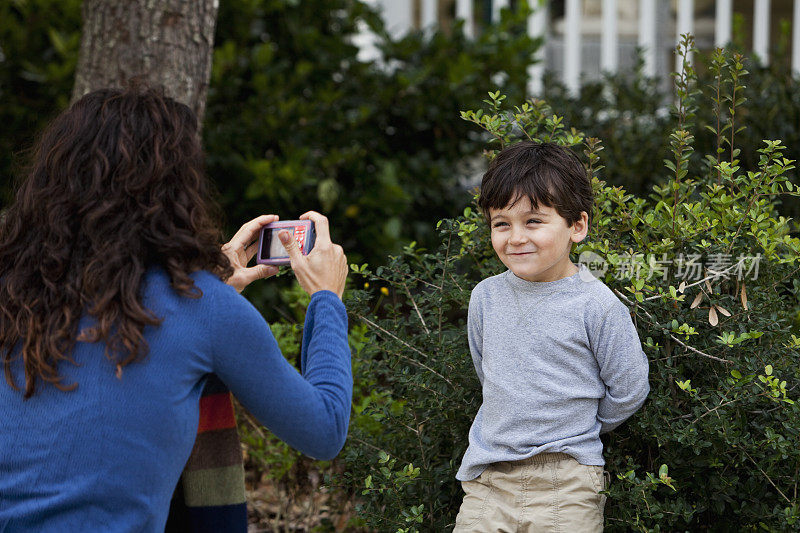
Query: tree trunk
[[168, 43]]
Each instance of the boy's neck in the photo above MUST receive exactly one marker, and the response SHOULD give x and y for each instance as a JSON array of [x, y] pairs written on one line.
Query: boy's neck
[[564, 271], [572, 269]]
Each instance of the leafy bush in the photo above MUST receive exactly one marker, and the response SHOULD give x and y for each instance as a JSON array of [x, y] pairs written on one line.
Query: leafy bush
[[716, 445]]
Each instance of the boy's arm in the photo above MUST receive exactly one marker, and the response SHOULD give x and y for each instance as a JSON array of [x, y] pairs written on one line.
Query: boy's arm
[[475, 334], [623, 367]]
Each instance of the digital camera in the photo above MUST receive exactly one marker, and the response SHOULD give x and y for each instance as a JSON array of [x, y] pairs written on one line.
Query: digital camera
[[270, 247]]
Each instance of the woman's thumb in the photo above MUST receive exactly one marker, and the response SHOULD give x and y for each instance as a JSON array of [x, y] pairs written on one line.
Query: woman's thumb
[[288, 241]]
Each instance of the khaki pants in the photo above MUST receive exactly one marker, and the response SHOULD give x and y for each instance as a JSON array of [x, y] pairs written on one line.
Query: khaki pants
[[548, 492]]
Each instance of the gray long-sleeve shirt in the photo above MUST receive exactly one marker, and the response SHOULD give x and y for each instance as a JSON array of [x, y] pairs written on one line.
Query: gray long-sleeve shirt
[[559, 363]]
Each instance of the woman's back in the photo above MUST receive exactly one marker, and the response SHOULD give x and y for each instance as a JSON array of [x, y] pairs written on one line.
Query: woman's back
[[116, 445]]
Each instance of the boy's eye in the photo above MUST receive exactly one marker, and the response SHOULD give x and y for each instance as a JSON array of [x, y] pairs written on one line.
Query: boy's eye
[[499, 224], [534, 221]]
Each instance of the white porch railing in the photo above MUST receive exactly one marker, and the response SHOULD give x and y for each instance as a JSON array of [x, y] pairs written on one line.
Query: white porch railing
[[653, 17]]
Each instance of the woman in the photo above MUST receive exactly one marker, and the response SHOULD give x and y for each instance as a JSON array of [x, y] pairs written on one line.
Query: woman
[[113, 314]]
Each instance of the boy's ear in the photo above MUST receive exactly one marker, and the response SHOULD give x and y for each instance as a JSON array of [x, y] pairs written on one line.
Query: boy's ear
[[580, 228]]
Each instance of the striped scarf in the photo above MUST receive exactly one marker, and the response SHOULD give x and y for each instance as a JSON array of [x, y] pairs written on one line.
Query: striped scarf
[[210, 494]]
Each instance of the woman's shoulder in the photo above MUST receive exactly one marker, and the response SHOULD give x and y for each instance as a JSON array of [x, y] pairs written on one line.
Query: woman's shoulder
[[213, 303], [209, 281], [224, 299], [208, 288]]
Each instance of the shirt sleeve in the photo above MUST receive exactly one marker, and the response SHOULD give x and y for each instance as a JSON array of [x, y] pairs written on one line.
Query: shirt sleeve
[[308, 411], [623, 367], [475, 333]]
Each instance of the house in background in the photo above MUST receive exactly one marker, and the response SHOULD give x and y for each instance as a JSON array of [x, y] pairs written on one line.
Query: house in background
[[584, 38]]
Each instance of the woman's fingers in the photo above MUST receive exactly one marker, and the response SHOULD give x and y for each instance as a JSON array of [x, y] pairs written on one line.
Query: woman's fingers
[[325, 268], [251, 251], [290, 244], [241, 249], [248, 232], [243, 277], [320, 226], [259, 272]]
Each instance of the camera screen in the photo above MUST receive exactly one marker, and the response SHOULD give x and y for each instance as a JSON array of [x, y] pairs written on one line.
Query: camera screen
[[272, 248]]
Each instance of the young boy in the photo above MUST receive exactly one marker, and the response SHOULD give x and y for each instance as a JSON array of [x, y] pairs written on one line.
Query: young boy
[[556, 352]]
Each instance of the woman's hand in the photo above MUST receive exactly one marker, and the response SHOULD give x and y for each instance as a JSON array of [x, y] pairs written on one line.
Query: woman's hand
[[241, 249], [325, 268]]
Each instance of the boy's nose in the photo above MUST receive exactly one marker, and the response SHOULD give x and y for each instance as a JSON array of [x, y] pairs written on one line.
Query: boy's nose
[[517, 236]]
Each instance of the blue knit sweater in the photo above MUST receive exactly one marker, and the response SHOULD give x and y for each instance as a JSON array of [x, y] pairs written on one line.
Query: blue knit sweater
[[107, 456]]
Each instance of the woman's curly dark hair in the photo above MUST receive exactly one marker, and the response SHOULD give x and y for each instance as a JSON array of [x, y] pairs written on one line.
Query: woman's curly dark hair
[[116, 185]]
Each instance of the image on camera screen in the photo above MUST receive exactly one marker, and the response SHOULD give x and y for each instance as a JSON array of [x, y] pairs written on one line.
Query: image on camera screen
[[276, 249]]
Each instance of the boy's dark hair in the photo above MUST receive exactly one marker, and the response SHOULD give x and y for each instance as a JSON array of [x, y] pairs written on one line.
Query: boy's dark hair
[[544, 172]]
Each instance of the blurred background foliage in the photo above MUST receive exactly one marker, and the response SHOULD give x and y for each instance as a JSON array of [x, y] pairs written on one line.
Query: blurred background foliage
[[630, 113], [295, 121], [39, 41]]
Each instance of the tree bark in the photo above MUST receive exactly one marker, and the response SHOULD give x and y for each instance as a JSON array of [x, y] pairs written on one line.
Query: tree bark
[[167, 43]]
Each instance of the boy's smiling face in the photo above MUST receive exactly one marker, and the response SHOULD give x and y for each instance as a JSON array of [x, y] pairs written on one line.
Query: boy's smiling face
[[535, 243]]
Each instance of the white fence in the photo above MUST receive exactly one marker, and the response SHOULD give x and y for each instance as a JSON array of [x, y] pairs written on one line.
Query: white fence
[[654, 16]]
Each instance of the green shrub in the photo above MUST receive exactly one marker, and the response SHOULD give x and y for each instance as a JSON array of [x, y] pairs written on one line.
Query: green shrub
[[715, 447]]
